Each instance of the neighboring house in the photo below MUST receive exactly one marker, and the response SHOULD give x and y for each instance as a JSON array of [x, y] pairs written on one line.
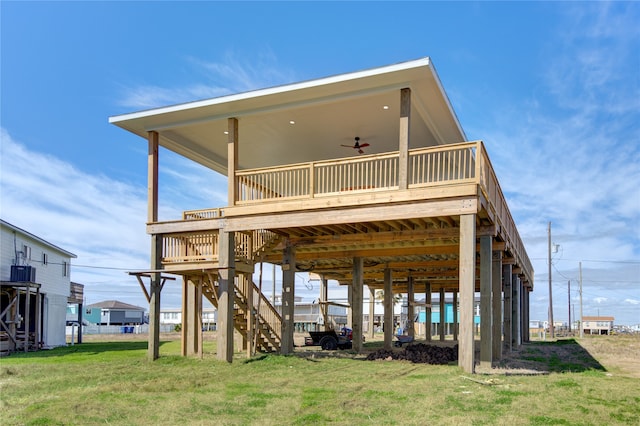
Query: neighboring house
[[113, 312], [174, 316], [35, 281], [308, 316], [536, 327], [597, 325], [366, 178], [449, 320]]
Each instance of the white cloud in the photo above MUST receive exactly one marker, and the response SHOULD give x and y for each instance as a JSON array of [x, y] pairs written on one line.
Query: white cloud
[[632, 301], [231, 75], [149, 96]]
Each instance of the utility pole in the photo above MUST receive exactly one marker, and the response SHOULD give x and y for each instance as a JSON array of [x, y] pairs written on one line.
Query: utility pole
[[580, 278], [569, 300], [550, 290]]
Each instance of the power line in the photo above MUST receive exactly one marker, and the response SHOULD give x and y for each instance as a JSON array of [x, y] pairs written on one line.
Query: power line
[[592, 260]]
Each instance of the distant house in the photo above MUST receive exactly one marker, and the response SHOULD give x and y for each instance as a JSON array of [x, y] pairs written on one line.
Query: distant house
[[35, 287], [307, 316], [449, 322], [113, 312], [597, 325], [174, 316]]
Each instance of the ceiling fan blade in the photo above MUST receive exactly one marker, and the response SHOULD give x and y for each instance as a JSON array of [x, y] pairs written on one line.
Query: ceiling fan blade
[[348, 146], [364, 145], [361, 151]]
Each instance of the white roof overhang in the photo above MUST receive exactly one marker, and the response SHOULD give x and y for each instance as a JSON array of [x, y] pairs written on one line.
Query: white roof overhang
[[327, 113]]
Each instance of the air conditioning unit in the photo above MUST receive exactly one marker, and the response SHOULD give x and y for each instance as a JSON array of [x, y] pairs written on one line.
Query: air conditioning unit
[[22, 273]]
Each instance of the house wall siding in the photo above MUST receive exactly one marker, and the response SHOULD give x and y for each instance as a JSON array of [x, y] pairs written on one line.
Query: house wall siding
[[51, 274]]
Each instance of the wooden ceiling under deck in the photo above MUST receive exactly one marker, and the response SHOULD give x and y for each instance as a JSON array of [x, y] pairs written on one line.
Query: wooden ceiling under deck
[[427, 249]]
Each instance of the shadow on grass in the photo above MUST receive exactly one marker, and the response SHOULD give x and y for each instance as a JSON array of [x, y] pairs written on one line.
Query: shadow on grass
[[565, 355], [91, 348]]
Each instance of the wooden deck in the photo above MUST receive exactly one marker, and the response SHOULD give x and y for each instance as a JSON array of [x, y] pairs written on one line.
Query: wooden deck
[[333, 211]]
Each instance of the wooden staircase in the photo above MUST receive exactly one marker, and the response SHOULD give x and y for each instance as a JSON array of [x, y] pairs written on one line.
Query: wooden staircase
[[267, 322]]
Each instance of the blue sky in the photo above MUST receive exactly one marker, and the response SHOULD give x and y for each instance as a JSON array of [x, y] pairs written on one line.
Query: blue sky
[[552, 88]]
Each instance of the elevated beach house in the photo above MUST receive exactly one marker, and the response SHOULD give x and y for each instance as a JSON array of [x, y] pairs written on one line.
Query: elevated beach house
[[365, 178]]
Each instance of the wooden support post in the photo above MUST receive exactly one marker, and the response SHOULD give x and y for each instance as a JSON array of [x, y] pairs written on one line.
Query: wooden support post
[[467, 291], [372, 312], [248, 287], [155, 288], [388, 308], [198, 316], [38, 327], [486, 301], [405, 126], [410, 308], [232, 161], [184, 331], [506, 285], [443, 317], [288, 298], [527, 331], [324, 307], [357, 287], [27, 317], [226, 295], [152, 177], [515, 311], [349, 304], [155, 285], [456, 320], [427, 322], [496, 302], [190, 318]]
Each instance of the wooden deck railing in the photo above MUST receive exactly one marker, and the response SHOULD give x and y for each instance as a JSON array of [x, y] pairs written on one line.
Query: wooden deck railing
[[190, 247], [203, 214], [488, 183], [441, 165], [203, 246]]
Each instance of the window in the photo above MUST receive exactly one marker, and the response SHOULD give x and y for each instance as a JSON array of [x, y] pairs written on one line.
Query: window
[[45, 259], [65, 269], [26, 252]]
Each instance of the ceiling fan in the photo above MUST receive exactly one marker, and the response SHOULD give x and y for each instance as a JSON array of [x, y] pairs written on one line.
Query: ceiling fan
[[357, 145]]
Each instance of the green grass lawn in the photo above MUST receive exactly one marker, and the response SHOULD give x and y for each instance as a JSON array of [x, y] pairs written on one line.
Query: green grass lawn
[[113, 383]]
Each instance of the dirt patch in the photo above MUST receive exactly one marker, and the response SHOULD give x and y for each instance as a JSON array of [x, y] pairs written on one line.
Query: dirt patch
[[418, 353]]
